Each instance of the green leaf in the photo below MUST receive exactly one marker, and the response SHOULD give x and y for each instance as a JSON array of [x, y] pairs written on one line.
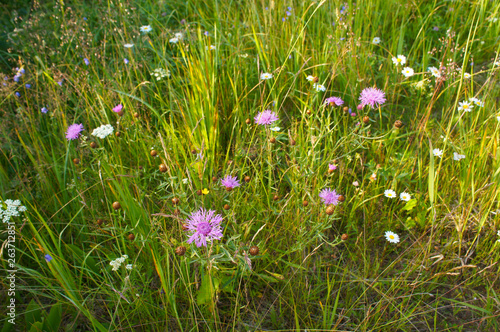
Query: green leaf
[[37, 327], [54, 319], [207, 290], [32, 314], [7, 326], [410, 205]]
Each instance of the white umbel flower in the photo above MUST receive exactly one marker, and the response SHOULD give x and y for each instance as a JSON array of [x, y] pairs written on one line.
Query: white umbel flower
[[103, 131]]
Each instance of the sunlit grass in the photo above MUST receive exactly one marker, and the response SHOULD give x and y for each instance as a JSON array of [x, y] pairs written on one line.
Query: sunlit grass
[[317, 267]]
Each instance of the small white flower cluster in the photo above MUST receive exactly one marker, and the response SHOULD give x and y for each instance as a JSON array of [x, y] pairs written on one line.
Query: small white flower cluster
[[12, 210], [401, 60], [392, 194], [103, 131], [439, 153], [177, 36], [118, 262], [160, 73]]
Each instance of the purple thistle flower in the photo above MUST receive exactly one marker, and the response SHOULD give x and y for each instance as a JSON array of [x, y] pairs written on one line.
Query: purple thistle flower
[[74, 131], [266, 117], [334, 100], [230, 182], [373, 97], [118, 108], [48, 258], [205, 226], [87, 62], [329, 196]]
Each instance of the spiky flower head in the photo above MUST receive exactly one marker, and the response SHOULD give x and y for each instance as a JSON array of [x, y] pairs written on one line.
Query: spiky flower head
[[230, 182], [334, 101], [329, 196], [118, 108], [372, 96], [204, 226], [74, 131], [266, 117]]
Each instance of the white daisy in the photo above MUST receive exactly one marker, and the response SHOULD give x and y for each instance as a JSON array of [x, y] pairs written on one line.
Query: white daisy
[[465, 106], [457, 156], [407, 71], [174, 40], [266, 76], [275, 128], [390, 193], [434, 71], [399, 60], [392, 237], [467, 76], [477, 102], [128, 45], [376, 40], [405, 197], [310, 78], [319, 87], [146, 28], [437, 153]]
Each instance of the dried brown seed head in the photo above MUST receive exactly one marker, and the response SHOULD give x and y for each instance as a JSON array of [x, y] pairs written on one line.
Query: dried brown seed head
[[180, 251], [254, 250]]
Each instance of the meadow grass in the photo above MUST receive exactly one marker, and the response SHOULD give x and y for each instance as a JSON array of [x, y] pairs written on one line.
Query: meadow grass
[[285, 260]]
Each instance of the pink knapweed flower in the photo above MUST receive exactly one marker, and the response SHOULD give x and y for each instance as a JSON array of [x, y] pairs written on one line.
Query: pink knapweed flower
[[74, 131], [332, 167], [266, 117], [230, 182], [118, 108], [329, 196], [334, 101], [373, 97], [204, 226]]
